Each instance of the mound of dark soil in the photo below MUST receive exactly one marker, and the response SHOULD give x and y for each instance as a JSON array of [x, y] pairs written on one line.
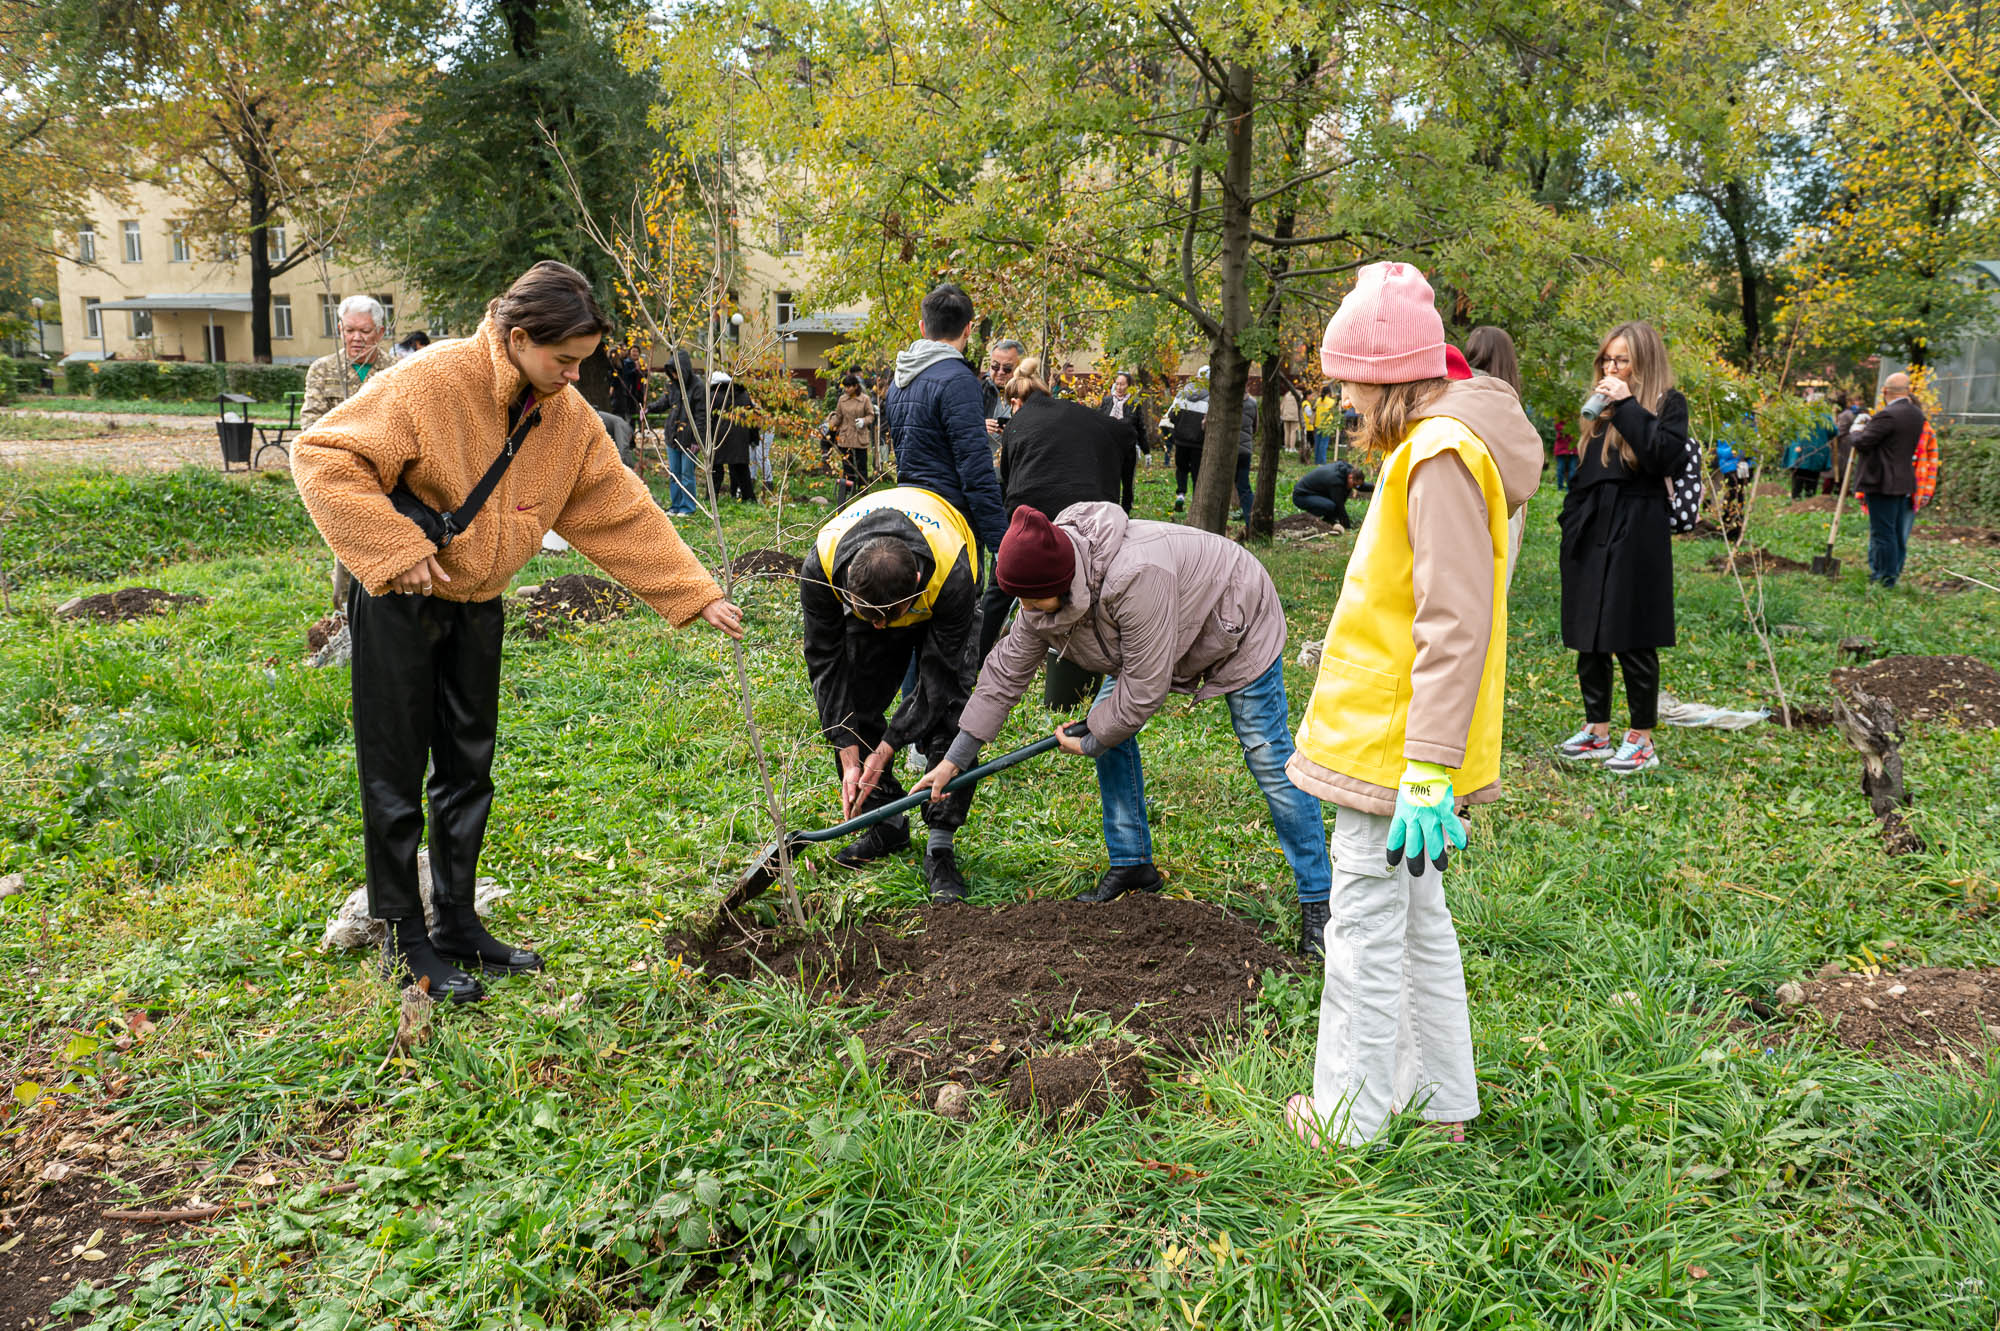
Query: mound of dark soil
[[1301, 526], [1703, 530], [574, 598], [1817, 504], [1758, 560], [127, 603], [1922, 1014], [1080, 1084], [969, 993], [1963, 689], [766, 564], [322, 632], [1949, 535]]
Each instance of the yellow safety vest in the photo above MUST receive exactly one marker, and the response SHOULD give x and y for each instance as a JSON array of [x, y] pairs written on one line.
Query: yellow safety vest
[[1360, 704], [945, 530]]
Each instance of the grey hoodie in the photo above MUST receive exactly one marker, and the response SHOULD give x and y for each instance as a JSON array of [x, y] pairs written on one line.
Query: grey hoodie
[[919, 356]]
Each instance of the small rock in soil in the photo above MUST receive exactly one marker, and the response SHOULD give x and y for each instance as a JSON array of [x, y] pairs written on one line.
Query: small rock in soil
[[1961, 689], [13, 884], [127, 603], [952, 1101], [1079, 1086]]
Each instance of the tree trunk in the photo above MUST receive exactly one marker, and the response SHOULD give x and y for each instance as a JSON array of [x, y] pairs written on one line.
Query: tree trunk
[[1229, 370], [260, 262], [1270, 447], [1736, 217]]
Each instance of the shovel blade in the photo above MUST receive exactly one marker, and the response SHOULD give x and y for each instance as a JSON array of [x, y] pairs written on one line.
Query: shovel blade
[[757, 878], [1826, 566]]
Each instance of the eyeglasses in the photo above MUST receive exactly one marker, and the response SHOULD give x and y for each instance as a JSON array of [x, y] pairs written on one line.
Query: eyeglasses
[[1614, 362], [1001, 366]]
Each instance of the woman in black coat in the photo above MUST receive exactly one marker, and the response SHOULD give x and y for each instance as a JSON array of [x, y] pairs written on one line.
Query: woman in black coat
[[1617, 551], [729, 407]]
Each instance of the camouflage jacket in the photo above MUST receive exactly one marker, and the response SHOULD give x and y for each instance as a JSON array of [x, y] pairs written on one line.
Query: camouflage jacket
[[331, 380]]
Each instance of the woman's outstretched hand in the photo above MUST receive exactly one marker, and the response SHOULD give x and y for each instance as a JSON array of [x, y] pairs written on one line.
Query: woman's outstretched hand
[[724, 615]]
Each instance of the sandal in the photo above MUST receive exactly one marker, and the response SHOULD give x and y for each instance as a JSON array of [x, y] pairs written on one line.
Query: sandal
[[1453, 1133], [1303, 1122]]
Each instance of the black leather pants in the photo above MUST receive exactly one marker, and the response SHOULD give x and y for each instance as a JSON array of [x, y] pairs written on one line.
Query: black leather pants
[[1642, 685], [426, 693]]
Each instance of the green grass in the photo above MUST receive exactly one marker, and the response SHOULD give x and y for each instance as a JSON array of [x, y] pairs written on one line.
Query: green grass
[[617, 1144], [23, 426], [261, 411]]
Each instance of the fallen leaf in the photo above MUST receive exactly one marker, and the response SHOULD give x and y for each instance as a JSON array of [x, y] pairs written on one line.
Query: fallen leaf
[[55, 1172], [92, 1254], [1697, 1273], [265, 1180]]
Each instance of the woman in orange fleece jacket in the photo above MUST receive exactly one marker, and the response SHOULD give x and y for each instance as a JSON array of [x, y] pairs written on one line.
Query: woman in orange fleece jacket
[[426, 621]]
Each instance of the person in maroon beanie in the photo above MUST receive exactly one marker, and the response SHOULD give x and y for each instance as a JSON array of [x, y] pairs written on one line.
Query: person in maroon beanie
[[1157, 608]]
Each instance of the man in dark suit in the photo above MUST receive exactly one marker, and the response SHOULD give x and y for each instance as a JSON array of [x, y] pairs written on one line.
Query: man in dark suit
[[1885, 459], [1121, 404]]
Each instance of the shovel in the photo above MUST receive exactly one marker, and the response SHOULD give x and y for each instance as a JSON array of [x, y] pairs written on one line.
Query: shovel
[[1826, 564], [763, 870]]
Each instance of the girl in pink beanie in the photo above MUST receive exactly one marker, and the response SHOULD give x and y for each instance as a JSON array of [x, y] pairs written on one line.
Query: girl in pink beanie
[[1404, 723]]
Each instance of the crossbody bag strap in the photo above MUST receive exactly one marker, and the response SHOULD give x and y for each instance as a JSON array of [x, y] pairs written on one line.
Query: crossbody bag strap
[[458, 519]]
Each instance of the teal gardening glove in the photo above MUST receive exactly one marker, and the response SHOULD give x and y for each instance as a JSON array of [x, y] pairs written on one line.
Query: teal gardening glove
[[1425, 822]]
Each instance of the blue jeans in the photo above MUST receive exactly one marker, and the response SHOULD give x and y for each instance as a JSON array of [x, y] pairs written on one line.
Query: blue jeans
[[1565, 467], [1321, 442], [1243, 493], [1264, 728], [1890, 518], [680, 474]]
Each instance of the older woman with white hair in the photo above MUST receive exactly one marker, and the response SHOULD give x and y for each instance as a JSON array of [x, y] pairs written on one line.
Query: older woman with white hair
[[332, 379]]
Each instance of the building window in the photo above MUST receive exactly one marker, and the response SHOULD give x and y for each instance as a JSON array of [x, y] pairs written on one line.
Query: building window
[[86, 245], [93, 318], [274, 243], [281, 316], [182, 251], [225, 247], [388, 299], [131, 230], [142, 323], [788, 241], [787, 310], [329, 316]]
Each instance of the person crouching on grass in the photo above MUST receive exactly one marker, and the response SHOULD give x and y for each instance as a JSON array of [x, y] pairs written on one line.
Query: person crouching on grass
[[427, 621], [1158, 608], [892, 589], [1404, 722]]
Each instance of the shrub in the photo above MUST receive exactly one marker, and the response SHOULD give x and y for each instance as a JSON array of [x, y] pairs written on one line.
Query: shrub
[[6, 379], [159, 380], [77, 379], [28, 375], [267, 383], [1969, 476]]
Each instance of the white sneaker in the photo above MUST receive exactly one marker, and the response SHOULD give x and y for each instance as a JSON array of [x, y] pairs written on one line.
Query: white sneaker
[[1634, 755]]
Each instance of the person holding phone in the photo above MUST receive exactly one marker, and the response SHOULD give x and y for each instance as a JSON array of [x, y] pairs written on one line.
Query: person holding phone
[[1617, 558]]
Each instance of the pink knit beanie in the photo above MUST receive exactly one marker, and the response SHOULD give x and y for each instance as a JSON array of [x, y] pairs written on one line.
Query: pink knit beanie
[[1387, 331]]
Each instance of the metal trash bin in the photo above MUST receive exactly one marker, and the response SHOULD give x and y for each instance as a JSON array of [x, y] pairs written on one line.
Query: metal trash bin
[[235, 435], [1067, 686]]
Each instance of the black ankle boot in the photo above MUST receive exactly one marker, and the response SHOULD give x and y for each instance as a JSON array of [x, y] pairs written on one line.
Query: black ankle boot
[[461, 937], [1120, 879], [941, 875], [1313, 916], [409, 957]]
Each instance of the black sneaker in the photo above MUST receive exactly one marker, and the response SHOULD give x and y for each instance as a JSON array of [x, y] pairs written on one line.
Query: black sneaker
[[882, 839], [1120, 879], [1313, 917], [409, 960], [947, 884]]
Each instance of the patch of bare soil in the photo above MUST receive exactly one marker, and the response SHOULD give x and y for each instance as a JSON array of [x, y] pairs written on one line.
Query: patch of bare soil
[[126, 603], [1816, 504], [1079, 1085], [1923, 1014], [323, 632], [1757, 560], [766, 564], [1950, 535], [1960, 689], [1703, 530], [574, 598], [1304, 527], [969, 994]]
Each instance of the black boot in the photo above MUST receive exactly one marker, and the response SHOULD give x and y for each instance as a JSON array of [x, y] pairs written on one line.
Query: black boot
[[408, 957], [1313, 916], [885, 838], [947, 884], [461, 937], [1120, 879]]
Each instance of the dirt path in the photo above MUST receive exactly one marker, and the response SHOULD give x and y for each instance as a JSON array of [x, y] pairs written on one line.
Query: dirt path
[[122, 419]]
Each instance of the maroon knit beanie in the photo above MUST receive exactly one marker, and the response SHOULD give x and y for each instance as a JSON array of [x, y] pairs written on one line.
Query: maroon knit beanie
[[1035, 559]]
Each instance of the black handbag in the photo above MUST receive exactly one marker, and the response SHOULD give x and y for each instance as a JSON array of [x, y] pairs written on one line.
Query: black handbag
[[440, 528]]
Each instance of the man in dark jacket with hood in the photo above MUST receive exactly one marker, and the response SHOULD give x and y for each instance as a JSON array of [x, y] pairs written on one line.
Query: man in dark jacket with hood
[[936, 413], [893, 579]]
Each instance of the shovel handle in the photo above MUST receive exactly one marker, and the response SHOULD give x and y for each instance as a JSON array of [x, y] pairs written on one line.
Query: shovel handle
[[908, 802]]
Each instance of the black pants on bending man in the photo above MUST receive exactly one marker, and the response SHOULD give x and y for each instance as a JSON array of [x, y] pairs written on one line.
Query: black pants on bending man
[[878, 660]]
